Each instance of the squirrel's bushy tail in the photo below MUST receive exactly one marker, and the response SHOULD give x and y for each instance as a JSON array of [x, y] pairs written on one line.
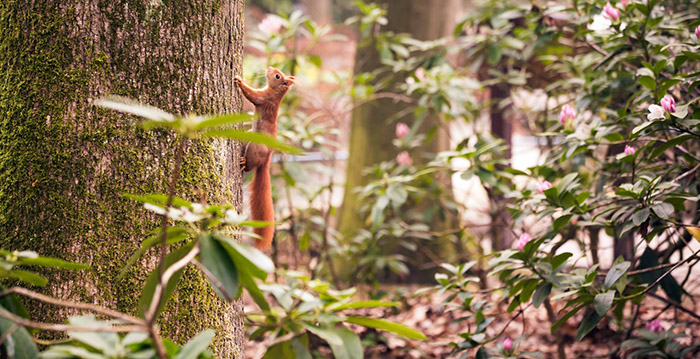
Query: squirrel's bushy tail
[[261, 204]]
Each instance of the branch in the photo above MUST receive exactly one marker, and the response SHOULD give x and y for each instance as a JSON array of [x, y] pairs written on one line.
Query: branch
[[66, 327], [77, 305]]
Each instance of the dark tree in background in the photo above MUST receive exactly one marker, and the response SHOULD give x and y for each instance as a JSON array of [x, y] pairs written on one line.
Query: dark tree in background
[[64, 164]]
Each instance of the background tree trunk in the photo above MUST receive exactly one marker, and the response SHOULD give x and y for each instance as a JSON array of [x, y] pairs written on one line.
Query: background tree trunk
[[65, 164], [318, 10], [373, 124]]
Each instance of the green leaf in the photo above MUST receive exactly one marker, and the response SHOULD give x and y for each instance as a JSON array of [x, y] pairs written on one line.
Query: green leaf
[[52, 262], [153, 279], [132, 107], [560, 259], [18, 345], [663, 210], [222, 120], [316, 60], [640, 216], [255, 261], [382, 324], [365, 304], [254, 137], [542, 292], [27, 277], [216, 260], [603, 302], [196, 345], [561, 222], [588, 323], [343, 342], [105, 342], [248, 282], [300, 347], [659, 150], [565, 317], [647, 82], [615, 273]]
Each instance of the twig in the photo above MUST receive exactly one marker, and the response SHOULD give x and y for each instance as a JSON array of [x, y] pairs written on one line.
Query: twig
[[66, 327], [676, 305], [647, 289], [64, 303], [213, 280], [165, 278]]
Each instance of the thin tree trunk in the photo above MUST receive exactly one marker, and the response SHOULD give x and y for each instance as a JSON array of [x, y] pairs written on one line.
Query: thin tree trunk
[[65, 164]]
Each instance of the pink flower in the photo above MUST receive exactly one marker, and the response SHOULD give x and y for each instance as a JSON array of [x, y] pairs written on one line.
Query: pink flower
[[508, 344], [404, 159], [654, 326], [697, 33], [624, 3], [543, 186], [420, 74], [668, 103], [522, 241], [402, 130], [611, 12], [629, 150], [270, 24], [567, 112]]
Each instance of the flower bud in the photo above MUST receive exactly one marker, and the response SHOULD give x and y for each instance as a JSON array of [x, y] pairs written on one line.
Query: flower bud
[[697, 32], [629, 150], [567, 112], [611, 12], [404, 159], [543, 186], [402, 130], [508, 344], [668, 103], [522, 241], [654, 326]]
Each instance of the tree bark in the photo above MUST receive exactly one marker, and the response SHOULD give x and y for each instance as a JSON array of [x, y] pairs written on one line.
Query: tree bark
[[373, 124], [65, 164], [318, 10]]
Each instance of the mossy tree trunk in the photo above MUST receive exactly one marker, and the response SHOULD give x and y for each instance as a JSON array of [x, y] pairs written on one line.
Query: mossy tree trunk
[[373, 124], [65, 164]]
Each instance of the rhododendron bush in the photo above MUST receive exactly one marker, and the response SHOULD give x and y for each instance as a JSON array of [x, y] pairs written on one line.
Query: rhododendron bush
[[620, 124]]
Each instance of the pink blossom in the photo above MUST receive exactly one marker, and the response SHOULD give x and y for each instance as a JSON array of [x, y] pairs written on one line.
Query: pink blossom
[[522, 241], [624, 3], [543, 186], [654, 326], [508, 344], [402, 130], [611, 12], [270, 24], [697, 33], [629, 150], [567, 112], [404, 159], [668, 103], [420, 74]]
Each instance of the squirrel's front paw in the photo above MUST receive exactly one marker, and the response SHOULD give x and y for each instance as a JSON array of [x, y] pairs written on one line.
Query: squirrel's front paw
[[243, 164], [238, 79]]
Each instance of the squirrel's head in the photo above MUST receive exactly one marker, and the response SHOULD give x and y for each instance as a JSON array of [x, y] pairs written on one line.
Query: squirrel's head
[[278, 81]]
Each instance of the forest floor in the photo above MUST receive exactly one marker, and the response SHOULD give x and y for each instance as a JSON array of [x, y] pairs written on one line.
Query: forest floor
[[423, 313]]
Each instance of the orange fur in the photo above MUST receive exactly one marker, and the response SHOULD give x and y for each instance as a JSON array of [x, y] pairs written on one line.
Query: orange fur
[[261, 204], [257, 157]]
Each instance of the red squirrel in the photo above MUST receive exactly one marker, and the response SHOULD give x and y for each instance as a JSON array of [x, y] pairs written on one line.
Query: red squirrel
[[257, 157]]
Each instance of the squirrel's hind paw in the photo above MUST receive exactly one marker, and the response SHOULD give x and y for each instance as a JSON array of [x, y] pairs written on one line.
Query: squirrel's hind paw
[[243, 164]]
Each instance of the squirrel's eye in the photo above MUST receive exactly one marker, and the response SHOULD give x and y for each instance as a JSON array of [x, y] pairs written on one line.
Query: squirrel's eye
[[277, 76]]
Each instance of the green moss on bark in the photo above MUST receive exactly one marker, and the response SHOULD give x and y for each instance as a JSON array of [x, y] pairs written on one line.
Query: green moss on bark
[[64, 164]]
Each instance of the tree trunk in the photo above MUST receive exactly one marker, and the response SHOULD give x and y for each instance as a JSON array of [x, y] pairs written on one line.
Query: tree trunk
[[318, 10], [373, 124], [65, 164]]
